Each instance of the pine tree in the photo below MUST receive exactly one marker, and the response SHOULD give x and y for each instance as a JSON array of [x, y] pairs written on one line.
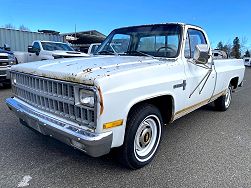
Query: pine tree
[[220, 46], [236, 53], [247, 54], [227, 48]]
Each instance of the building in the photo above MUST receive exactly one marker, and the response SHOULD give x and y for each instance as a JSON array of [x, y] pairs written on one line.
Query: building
[[19, 40], [83, 39]]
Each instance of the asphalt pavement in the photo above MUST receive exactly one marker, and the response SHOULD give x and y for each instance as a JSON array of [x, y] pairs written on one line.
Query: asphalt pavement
[[203, 149]]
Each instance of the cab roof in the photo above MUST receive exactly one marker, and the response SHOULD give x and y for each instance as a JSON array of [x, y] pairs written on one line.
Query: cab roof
[[171, 23]]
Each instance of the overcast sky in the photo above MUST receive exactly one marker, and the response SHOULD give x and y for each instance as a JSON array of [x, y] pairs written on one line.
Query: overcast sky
[[222, 19]]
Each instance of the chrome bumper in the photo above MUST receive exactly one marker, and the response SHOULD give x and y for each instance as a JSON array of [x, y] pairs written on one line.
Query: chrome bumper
[[91, 143]]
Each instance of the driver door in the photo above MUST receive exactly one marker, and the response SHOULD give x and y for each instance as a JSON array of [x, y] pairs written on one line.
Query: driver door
[[35, 56], [196, 75]]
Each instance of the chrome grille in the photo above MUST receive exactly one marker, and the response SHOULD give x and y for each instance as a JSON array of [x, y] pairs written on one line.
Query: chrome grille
[[4, 63], [2, 72], [4, 57], [53, 96]]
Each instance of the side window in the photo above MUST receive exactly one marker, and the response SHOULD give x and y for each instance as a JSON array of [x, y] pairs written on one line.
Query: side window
[[36, 45], [196, 37], [187, 48]]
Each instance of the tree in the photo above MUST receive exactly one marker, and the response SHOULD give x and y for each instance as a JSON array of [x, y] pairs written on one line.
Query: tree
[[220, 46], [23, 28], [236, 53], [227, 48], [247, 54], [9, 26]]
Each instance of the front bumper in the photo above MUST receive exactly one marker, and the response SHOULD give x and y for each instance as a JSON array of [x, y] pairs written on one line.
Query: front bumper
[[91, 143]]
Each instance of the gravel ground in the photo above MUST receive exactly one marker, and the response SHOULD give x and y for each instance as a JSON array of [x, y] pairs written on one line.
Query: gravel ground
[[203, 149]]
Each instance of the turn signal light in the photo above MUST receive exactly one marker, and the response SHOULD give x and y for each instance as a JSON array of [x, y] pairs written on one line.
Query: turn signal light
[[113, 124]]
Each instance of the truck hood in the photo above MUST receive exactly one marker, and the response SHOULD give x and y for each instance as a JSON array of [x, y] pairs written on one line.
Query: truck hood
[[5, 51], [85, 70], [69, 53]]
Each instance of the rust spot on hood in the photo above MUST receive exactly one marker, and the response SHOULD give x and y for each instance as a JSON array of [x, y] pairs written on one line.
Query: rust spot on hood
[[101, 101], [87, 70]]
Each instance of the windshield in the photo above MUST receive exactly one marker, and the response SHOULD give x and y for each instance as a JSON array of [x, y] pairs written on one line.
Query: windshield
[[153, 40], [52, 46]]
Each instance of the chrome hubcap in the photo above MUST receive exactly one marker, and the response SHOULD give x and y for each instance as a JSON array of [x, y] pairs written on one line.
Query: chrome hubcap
[[147, 135]]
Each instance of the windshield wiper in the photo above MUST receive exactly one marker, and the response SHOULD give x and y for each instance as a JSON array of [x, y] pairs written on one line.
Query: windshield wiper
[[106, 52], [141, 53]]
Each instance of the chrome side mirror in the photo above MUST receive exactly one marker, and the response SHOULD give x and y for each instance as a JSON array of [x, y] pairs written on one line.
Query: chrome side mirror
[[201, 54]]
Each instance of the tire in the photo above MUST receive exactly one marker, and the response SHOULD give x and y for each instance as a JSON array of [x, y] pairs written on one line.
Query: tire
[[6, 85], [223, 102], [142, 136]]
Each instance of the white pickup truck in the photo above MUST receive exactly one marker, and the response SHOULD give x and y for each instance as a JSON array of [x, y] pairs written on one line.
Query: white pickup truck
[[47, 50], [7, 59], [142, 78]]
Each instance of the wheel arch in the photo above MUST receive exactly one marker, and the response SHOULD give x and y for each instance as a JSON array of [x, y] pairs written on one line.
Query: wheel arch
[[234, 82], [165, 104]]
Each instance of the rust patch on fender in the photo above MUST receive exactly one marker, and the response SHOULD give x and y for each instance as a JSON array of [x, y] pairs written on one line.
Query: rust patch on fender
[[101, 101]]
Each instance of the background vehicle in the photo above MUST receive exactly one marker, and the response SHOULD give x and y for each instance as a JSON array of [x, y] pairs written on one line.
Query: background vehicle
[[45, 50], [141, 78], [6, 60], [247, 61], [219, 54]]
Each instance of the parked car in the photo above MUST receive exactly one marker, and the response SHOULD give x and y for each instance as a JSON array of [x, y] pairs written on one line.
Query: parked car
[[142, 78], [47, 50], [247, 61], [7, 59], [219, 54], [93, 48]]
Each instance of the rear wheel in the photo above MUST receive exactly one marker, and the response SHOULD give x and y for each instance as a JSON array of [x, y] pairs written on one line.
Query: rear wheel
[[142, 137], [223, 102]]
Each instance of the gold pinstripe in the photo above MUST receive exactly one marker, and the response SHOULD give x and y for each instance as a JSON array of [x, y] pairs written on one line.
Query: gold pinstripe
[[189, 109]]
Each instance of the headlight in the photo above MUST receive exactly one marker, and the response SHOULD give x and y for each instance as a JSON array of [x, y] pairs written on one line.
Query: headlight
[[11, 56], [86, 97], [12, 59], [12, 62]]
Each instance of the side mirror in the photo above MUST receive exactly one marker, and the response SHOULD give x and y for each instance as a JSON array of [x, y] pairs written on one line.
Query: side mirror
[[33, 50], [6, 47], [201, 54], [30, 49], [37, 52]]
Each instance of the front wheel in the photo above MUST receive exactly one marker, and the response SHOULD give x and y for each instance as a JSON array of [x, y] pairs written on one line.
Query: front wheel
[[223, 102], [142, 137], [6, 85]]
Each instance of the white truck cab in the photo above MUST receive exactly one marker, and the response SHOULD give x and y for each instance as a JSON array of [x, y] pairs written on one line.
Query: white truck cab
[[47, 50], [141, 78]]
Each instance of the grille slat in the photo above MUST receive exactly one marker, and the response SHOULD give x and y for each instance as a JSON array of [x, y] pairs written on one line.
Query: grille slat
[[53, 96]]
